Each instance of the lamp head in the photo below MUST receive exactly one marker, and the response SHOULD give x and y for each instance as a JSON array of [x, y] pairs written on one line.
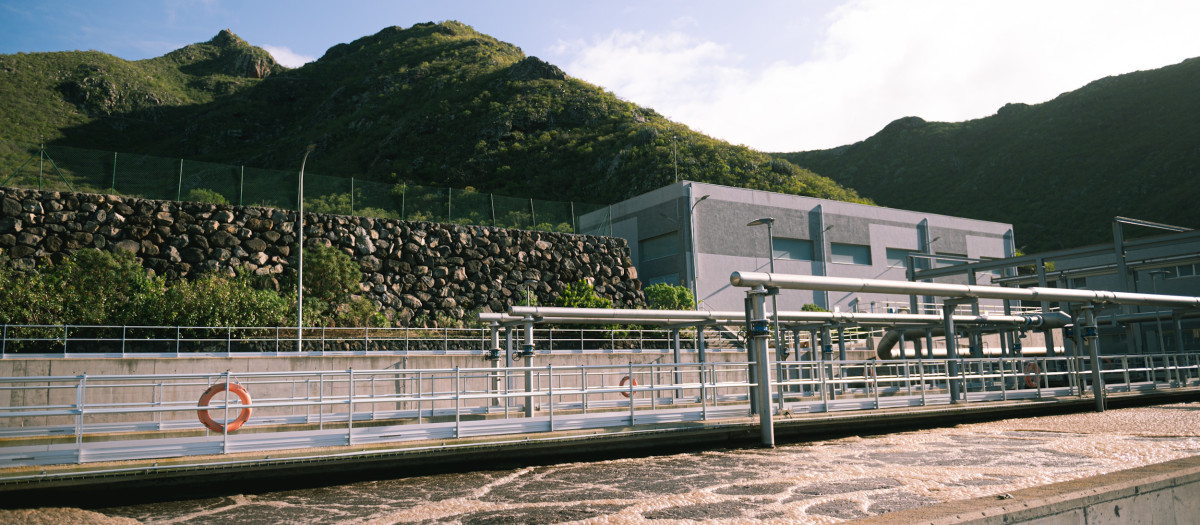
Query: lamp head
[[758, 222]]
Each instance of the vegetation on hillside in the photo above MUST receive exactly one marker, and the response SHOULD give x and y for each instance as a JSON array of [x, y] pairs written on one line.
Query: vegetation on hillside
[[1058, 171], [436, 104], [94, 287]]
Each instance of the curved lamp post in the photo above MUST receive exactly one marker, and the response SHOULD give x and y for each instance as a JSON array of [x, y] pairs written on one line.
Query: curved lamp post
[[780, 352], [300, 256]]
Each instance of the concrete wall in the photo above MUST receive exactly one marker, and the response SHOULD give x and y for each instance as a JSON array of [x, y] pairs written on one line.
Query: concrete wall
[[411, 268]]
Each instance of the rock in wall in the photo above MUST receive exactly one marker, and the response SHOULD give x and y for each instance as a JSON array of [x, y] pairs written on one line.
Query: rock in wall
[[410, 268]]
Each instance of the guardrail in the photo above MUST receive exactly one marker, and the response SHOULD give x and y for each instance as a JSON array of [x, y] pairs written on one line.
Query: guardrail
[[120, 341], [87, 418]]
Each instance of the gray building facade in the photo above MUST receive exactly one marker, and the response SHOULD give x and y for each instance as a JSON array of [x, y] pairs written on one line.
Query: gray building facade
[[697, 234]]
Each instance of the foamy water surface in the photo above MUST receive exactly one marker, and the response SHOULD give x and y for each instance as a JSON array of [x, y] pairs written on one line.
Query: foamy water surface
[[818, 482]]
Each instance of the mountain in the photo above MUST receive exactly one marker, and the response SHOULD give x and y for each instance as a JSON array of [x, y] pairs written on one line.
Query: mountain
[[1059, 171], [433, 104]]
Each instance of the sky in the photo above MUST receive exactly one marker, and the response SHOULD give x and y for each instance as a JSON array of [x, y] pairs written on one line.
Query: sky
[[773, 75]]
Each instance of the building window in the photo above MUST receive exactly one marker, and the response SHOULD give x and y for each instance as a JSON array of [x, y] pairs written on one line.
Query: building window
[[896, 257], [850, 254], [659, 247], [795, 249], [1077, 283], [1183, 270]]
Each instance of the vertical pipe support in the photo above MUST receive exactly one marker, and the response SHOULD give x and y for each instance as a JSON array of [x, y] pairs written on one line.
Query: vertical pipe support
[[757, 337], [1092, 339]]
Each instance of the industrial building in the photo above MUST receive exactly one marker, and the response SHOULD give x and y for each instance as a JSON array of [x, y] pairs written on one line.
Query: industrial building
[[697, 234]]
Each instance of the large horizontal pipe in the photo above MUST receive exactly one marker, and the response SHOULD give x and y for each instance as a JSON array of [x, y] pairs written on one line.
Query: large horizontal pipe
[[843, 284], [559, 315]]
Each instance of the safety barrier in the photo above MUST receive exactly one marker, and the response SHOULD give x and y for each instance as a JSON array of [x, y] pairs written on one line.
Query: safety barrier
[[87, 418], [159, 341]]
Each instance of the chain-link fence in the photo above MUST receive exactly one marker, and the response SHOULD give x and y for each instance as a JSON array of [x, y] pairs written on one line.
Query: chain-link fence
[[63, 168]]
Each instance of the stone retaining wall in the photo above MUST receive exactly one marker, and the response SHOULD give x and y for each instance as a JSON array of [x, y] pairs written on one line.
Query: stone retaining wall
[[411, 268]]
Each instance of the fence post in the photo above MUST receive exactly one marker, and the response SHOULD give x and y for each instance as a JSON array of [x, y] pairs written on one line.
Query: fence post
[[241, 185], [573, 217], [113, 187], [351, 195], [532, 215], [80, 398], [492, 203], [179, 187], [350, 412], [449, 204]]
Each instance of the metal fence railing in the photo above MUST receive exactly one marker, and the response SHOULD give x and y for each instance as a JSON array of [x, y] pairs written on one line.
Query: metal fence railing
[[63, 168], [117, 341], [92, 418]]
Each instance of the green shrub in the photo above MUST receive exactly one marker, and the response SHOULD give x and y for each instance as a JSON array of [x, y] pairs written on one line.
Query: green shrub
[[205, 195], [216, 300], [582, 295], [330, 274], [663, 296]]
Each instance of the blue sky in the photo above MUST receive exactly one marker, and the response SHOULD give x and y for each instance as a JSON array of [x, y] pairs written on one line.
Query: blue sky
[[774, 75]]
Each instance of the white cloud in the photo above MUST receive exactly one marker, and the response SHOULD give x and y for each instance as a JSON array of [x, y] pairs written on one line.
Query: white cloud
[[878, 60], [288, 57]]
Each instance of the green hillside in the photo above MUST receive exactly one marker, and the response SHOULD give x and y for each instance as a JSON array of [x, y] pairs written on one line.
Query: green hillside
[[1059, 171], [434, 104]]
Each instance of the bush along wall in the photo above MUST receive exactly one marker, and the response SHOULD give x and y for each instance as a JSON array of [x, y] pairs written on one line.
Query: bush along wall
[[412, 270]]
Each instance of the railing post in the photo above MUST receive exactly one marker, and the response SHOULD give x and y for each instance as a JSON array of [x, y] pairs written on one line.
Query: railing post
[[225, 425], [550, 398], [875, 382], [350, 411], [632, 419], [457, 403], [80, 398]]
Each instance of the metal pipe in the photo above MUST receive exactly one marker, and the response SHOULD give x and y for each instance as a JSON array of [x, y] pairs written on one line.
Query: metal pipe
[[757, 340], [1045, 321], [843, 284]]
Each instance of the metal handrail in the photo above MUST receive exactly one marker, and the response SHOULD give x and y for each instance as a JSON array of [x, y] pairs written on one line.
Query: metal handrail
[[87, 418], [103, 340]]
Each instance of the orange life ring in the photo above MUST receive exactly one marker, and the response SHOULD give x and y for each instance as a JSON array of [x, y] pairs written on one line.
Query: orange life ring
[[626, 380], [1032, 374], [243, 416]]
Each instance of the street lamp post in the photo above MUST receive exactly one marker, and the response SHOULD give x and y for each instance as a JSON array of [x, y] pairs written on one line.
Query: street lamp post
[[770, 221], [300, 255]]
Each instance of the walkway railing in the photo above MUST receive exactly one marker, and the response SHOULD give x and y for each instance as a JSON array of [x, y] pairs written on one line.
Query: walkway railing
[[159, 341], [88, 418]]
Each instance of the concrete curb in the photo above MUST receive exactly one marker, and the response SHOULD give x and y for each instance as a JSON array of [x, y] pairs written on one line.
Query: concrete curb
[[1166, 492]]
